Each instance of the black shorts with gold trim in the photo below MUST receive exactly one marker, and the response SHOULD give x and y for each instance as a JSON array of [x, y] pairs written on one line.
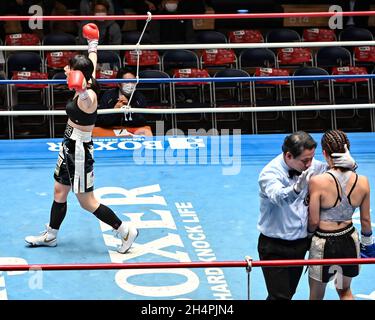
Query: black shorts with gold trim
[[337, 244]]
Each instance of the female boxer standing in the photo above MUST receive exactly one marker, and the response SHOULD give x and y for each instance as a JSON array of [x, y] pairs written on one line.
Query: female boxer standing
[[74, 168]]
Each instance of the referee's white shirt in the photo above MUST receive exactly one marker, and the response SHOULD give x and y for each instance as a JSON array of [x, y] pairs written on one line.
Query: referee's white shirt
[[283, 214]]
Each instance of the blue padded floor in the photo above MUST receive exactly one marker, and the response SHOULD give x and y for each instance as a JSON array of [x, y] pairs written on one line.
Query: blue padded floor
[[193, 199]]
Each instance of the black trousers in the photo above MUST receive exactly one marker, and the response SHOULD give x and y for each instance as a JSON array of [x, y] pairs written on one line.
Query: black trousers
[[282, 282]]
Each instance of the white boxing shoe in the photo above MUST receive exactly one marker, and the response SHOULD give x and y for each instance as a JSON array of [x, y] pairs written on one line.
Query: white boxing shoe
[[128, 234], [47, 238]]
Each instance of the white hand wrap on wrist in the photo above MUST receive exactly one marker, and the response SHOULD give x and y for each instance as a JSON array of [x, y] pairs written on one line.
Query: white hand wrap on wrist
[[367, 240], [84, 95], [93, 46]]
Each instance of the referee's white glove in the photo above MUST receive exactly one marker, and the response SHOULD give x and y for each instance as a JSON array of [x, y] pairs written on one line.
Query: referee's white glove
[[302, 181], [344, 160]]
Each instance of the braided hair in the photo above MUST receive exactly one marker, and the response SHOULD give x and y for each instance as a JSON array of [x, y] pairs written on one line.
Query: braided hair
[[334, 141]]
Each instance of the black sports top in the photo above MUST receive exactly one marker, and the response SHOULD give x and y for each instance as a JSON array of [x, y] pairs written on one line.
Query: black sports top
[[78, 116], [344, 210]]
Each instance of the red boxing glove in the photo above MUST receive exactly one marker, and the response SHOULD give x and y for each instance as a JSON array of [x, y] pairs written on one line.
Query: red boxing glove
[[90, 31], [77, 81]]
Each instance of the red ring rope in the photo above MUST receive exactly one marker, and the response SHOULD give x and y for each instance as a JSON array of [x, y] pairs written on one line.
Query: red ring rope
[[192, 16], [159, 265]]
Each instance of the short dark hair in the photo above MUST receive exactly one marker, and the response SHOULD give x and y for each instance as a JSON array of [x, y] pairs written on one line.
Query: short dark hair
[[297, 142], [122, 71], [103, 3], [85, 65], [82, 63]]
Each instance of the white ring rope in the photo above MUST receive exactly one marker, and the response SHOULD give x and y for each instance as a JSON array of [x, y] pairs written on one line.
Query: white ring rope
[[139, 47], [202, 80], [138, 51], [300, 44], [327, 107]]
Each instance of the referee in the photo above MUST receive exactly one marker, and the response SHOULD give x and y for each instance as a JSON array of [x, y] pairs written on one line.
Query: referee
[[283, 216]]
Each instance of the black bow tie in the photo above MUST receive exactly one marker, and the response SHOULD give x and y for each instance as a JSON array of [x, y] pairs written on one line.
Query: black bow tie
[[293, 172]]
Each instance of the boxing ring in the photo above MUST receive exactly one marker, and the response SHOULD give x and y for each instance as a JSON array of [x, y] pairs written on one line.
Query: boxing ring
[[193, 198], [171, 204]]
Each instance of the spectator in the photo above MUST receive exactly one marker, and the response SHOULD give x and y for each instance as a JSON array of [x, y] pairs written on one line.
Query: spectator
[[85, 7], [110, 32], [178, 31], [169, 31], [119, 97], [58, 8], [115, 8], [142, 7], [17, 8]]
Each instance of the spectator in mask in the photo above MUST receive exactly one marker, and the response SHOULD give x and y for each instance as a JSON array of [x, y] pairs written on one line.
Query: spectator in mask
[[110, 32], [171, 5], [86, 5], [175, 31], [116, 7], [168, 31], [119, 97]]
